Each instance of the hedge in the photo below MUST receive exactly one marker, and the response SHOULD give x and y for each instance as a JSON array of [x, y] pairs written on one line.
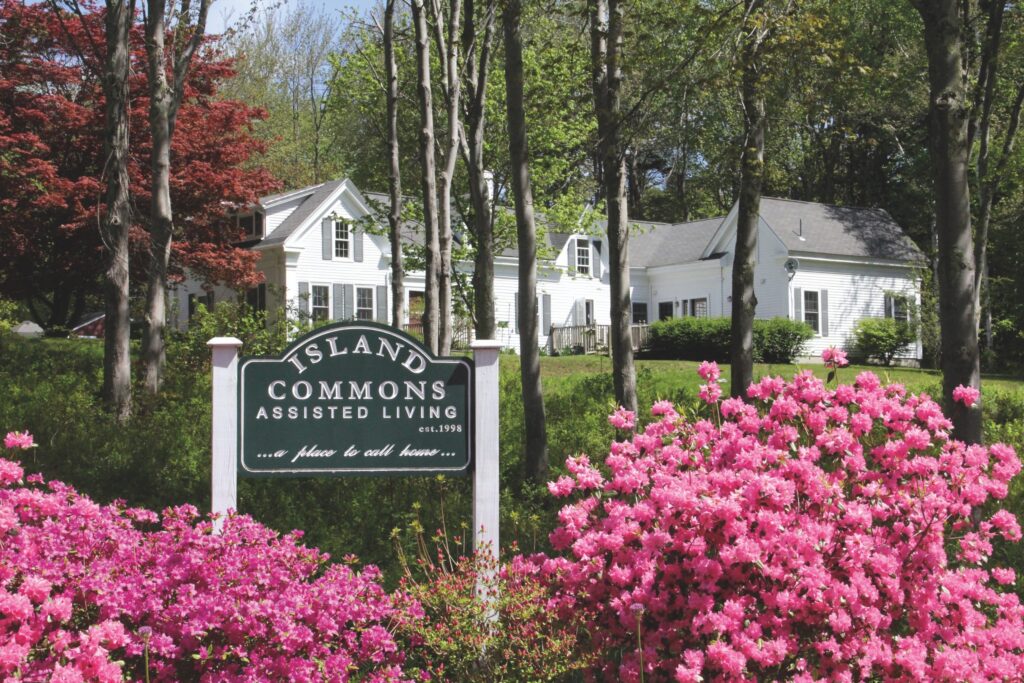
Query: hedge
[[775, 341]]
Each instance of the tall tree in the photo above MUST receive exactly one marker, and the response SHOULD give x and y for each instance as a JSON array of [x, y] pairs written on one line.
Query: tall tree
[[451, 79], [116, 221], [990, 169], [394, 169], [428, 179], [165, 97], [476, 46], [536, 455], [948, 112], [606, 31], [285, 67], [744, 300]]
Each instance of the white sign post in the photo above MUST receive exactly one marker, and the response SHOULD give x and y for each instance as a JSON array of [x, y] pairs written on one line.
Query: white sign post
[[225, 427], [486, 492]]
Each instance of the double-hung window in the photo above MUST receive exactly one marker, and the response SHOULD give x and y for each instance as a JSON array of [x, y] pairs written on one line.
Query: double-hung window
[[342, 239], [812, 310], [364, 303], [897, 307], [320, 303], [583, 257]]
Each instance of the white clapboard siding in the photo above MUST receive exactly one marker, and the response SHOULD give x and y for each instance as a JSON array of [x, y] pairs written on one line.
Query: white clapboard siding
[[855, 291], [310, 266]]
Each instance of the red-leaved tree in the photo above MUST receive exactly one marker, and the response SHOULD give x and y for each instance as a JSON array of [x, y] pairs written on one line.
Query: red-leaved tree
[[51, 123]]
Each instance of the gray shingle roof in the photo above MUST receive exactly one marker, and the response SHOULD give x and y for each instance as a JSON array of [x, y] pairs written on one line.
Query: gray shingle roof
[[808, 227], [302, 212], [663, 244]]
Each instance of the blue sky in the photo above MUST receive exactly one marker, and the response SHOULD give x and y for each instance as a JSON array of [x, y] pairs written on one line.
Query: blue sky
[[224, 11]]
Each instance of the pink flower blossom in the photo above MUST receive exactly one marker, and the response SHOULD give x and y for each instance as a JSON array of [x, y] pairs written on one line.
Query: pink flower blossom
[[622, 419], [709, 371], [834, 358], [966, 395], [19, 440], [830, 529]]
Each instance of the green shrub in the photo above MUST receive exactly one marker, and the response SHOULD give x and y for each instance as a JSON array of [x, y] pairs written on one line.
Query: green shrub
[[882, 339], [779, 340], [691, 339], [775, 341]]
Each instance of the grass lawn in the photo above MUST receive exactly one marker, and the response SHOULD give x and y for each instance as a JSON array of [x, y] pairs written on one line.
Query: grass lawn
[[669, 375]]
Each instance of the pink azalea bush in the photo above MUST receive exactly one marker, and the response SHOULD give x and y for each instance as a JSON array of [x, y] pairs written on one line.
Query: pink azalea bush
[[105, 593], [811, 534]]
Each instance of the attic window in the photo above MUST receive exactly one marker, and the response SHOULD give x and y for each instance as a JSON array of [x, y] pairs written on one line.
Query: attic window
[[252, 224], [342, 239], [583, 257]]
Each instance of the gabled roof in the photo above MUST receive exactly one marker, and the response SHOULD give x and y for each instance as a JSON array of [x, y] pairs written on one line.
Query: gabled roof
[[664, 244], [313, 203], [272, 199], [811, 228]]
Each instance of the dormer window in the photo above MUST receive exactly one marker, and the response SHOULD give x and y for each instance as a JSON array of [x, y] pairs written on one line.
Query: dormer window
[[251, 225], [583, 257], [342, 239]]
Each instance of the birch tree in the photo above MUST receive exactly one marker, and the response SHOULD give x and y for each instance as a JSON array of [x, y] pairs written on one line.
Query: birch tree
[[394, 169], [431, 311], [451, 79], [165, 97], [606, 36], [477, 39]]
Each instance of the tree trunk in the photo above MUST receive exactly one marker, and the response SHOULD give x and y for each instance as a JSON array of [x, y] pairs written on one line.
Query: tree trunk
[[744, 301], [116, 221], [948, 113], [536, 456], [394, 171], [477, 48], [606, 51], [160, 216], [453, 79], [431, 309], [164, 101]]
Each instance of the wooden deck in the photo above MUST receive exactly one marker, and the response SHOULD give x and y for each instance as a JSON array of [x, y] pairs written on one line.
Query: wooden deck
[[582, 339]]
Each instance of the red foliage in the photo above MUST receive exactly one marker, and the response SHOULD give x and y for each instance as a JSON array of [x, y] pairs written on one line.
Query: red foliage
[[51, 121]]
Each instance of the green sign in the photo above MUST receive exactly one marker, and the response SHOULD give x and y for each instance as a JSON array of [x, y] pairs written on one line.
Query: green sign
[[354, 399]]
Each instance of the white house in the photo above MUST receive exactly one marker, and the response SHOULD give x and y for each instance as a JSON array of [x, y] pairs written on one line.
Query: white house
[[829, 266]]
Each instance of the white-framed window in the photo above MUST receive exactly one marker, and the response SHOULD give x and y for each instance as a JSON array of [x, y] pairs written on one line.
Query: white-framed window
[[364, 303], [320, 302], [588, 312], [639, 312], [666, 310], [897, 307], [812, 309], [251, 225], [697, 308], [342, 239], [583, 257]]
